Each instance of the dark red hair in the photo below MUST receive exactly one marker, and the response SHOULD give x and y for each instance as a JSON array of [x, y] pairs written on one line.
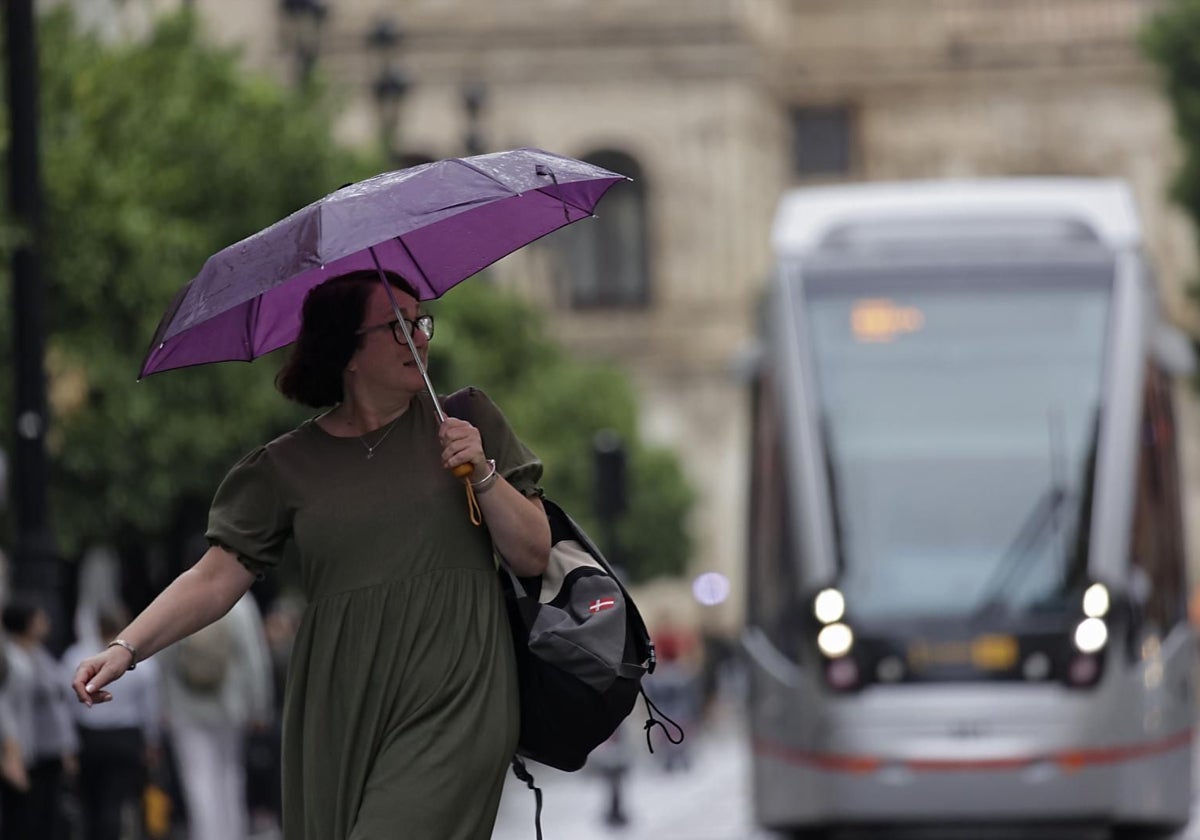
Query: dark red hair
[[329, 325]]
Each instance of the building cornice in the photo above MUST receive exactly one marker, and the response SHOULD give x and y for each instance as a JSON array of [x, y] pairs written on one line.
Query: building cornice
[[671, 43], [854, 45]]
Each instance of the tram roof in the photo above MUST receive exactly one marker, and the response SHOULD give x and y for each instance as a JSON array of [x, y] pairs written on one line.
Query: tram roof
[[808, 217]]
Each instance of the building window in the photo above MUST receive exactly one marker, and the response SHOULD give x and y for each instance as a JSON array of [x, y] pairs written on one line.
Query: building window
[[821, 141], [606, 258]]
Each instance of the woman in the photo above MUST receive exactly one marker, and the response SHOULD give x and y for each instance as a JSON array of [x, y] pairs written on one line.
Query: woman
[[44, 728], [119, 743], [401, 708]]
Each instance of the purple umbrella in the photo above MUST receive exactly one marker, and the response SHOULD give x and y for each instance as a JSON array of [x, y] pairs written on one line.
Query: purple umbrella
[[434, 224]]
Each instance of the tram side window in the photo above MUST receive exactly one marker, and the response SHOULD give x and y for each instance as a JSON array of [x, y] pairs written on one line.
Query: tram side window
[[1157, 550], [773, 597]]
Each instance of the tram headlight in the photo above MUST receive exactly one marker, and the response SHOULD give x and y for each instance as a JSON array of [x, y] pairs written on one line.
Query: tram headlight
[[829, 606], [1096, 601], [835, 640], [1091, 635]]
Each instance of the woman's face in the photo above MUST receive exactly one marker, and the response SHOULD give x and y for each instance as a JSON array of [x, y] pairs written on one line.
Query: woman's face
[[380, 360]]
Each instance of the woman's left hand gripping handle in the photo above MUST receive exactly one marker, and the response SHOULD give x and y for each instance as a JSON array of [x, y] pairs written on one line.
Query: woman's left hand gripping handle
[[98, 671]]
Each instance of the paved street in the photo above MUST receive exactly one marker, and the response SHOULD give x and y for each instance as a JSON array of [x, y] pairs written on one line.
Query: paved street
[[711, 802]]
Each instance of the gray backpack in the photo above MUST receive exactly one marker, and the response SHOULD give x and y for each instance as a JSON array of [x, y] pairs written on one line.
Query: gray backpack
[[582, 647]]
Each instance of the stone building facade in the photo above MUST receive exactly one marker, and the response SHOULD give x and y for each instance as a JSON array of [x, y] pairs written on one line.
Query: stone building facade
[[716, 107]]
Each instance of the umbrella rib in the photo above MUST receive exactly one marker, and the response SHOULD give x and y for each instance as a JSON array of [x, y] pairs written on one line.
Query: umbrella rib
[[542, 190], [559, 198], [252, 325], [542, 169], [412, 257], [485, 174]]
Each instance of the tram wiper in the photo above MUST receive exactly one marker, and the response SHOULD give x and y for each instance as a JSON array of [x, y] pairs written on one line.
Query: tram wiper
[[1020, 552]]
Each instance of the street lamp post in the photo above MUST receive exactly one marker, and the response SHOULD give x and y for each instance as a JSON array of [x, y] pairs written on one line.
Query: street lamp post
[[303, 20], [36, 561], [474, 97], [390, 85], [610, 497]]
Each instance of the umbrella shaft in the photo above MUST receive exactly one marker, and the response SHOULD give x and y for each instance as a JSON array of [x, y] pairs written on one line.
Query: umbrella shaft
[[403, 324]]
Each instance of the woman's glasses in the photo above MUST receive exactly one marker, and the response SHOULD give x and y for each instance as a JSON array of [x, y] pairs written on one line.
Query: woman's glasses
[[423, 323]]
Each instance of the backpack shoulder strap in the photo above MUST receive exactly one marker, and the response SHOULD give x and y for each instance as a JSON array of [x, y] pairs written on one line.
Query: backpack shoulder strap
[[458, 404]]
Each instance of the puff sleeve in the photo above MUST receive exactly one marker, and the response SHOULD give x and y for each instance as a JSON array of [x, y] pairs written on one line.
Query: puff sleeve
[[514, 460], [248, 516]]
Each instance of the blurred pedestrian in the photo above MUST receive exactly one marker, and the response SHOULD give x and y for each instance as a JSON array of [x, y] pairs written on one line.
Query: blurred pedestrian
[[14, 782], [402, 706], [610, 760], [217, 686], [98, 584], [263, 749], [44, 725], [675, 689], [120, 743]]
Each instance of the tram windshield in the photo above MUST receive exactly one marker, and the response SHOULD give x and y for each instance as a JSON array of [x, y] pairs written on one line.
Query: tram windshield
[[959, 411]]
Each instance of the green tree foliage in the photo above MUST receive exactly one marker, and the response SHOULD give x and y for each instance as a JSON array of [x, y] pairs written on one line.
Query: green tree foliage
[[1172, 40], [155, 154], [558, 404]]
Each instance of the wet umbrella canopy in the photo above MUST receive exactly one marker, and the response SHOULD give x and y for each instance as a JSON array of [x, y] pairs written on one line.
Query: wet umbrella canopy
[[434, 224]]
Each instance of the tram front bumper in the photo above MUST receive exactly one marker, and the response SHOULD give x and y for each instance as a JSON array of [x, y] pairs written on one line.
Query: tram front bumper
[[974, 755]]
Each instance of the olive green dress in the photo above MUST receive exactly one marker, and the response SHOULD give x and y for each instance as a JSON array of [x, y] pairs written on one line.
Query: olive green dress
[[401, 710]]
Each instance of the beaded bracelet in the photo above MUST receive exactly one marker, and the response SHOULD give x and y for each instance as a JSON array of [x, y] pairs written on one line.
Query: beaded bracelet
[[484, 484]]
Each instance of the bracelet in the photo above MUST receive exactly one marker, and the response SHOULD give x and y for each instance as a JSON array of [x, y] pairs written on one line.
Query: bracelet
[[132, 651], [484, 484]]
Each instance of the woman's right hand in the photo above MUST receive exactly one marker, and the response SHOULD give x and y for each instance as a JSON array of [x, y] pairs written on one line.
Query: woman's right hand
[[98, 671]]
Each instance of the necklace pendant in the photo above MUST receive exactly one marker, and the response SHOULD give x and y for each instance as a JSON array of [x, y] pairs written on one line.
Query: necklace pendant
[[371, 447]]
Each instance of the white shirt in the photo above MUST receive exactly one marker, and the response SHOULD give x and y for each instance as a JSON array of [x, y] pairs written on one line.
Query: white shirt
[[38, 700]]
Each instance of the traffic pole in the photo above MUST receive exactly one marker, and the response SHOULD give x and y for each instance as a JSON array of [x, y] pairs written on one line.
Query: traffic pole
[[35, 561]]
